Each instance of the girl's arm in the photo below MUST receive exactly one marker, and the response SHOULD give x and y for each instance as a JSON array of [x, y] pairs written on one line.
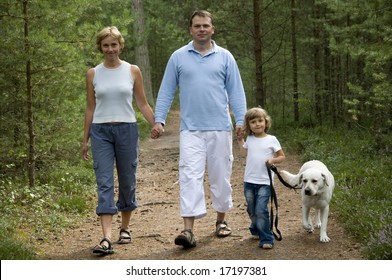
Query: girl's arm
[[241, 142], [279, 158]]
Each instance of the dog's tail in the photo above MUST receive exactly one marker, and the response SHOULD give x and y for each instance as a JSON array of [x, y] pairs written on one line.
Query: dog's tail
[[291, 179]]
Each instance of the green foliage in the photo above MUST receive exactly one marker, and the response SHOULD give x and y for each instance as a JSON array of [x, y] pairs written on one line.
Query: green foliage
[[11, 247], [72, 204], [366, 37], [362, 198], [48, 207]]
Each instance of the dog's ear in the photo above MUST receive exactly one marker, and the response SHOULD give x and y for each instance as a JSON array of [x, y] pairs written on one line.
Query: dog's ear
[[300, 181], [324, 179]]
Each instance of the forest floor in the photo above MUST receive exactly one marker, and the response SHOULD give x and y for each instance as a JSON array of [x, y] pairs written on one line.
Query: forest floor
[[156, 222]]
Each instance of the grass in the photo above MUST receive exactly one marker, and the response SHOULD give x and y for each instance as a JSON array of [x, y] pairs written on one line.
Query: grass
[[30, 214], [12, 249]]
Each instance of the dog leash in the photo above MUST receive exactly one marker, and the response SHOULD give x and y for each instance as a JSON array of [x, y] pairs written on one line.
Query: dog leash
[[273, 168], [274, 200]]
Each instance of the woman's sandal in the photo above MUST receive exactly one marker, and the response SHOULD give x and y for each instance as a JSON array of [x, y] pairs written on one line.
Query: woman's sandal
[[126, 238], [222, 230], [102, 249]]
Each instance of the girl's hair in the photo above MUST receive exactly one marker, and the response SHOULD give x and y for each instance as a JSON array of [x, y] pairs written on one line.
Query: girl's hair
[[109, 31], [253, 113]]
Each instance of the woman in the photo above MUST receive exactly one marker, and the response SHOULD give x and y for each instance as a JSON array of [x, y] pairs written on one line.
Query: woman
[[110, 122]]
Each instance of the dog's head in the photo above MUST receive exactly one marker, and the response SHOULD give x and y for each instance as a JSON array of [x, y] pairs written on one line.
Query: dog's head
[[312, 181]]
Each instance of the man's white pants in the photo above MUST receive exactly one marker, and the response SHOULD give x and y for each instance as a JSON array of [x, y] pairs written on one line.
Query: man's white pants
[[196, 149]]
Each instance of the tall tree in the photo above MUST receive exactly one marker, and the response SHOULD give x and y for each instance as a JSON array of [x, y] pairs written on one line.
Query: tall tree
[[258, 54], [317, 63], [29, 91], [42, 80], [294, 59], [141, 49], [360, 35]]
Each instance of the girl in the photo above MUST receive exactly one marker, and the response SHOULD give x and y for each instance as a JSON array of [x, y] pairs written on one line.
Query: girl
[[259, 148]]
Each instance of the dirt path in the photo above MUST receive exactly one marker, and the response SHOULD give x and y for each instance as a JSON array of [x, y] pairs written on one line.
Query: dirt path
[[156, 222]]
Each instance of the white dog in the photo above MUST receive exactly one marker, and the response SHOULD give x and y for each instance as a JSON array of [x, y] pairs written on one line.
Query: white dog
[[317, 184]]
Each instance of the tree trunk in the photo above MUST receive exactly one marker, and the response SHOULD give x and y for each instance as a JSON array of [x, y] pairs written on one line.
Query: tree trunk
[[294, 55], [328, 109], [141, 50], [29, 90], [258, 53], [317, 64]]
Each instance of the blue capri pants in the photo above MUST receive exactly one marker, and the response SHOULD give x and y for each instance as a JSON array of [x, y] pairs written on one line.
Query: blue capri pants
[[115, 143]]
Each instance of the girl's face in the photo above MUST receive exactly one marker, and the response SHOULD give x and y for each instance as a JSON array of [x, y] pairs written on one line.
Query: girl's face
[[111, 47], [257, 126]]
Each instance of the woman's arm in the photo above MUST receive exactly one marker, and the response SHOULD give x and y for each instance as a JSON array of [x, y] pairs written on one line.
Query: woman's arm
[[90, 108], [140, 96]]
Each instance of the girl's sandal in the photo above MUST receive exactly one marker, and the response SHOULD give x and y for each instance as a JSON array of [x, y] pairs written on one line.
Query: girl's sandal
[[267, 246], [102, 249]]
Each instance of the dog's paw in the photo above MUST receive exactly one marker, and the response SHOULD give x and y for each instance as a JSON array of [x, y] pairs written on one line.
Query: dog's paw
[[309, 228], [324, 238], [318, 225]]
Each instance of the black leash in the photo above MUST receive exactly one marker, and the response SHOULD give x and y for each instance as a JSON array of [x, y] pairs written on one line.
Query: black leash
[[274, 200], [273, 168]]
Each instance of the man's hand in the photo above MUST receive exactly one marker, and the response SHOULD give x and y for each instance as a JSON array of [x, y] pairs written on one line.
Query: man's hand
[[157, 131]]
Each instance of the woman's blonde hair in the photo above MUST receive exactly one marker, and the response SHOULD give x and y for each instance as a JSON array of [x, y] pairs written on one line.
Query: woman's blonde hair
[[253, 113], [109, 31]]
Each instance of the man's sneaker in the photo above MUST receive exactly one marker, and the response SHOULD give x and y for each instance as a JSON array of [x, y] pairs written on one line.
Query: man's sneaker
[[186, 239]]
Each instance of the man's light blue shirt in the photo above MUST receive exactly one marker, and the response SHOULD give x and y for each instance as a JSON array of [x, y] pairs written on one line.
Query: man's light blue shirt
[[207, 85]]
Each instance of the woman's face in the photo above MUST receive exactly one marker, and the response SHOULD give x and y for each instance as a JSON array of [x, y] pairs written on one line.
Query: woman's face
[[111, 47]]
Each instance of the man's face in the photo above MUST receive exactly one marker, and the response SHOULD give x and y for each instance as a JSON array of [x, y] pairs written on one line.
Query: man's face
[[201, 29]]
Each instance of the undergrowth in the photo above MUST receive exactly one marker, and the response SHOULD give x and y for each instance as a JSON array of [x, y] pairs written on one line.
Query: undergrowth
[[362, 169], [30, 214]]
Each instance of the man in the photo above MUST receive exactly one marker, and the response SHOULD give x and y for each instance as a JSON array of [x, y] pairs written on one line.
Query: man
[[209, 81]]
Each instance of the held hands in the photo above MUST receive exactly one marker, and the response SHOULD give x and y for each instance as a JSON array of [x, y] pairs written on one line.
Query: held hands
[[239, 131], [157, 131]]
